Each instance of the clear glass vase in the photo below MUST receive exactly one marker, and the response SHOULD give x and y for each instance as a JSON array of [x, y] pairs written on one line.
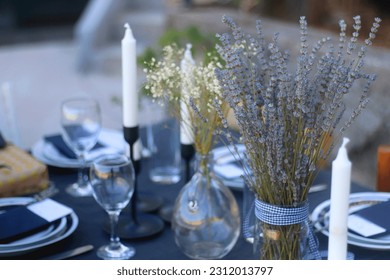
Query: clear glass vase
[[206, 218], [287, 242]]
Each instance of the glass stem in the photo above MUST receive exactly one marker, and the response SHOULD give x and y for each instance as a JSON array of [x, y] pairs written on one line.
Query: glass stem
[[80, 172], [114, 239]]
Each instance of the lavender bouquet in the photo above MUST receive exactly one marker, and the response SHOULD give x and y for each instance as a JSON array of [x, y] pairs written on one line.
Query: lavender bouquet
[[288, 118]]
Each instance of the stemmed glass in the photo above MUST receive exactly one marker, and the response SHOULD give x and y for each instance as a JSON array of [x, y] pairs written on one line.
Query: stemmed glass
[[81, 123], [112, 178]]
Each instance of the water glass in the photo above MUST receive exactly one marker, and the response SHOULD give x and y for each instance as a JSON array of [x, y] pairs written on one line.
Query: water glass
[[112, 179], [248, 214], [163, 141], [81, 125], [248, 206]]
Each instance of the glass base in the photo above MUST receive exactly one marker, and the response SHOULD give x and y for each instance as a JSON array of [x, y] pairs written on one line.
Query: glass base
[[120, 252], [148, 202], [165, 175], [77, 191], [147, 225], [166, 213], [206, 250]]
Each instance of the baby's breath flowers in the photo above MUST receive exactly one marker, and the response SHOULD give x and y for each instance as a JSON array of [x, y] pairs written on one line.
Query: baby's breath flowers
[[164, 77], [287, 118], [165, 81]]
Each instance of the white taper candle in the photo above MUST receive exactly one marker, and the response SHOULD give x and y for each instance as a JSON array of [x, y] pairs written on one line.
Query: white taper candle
[[186, 131], [10, 129], [339, 204], [129, 79]]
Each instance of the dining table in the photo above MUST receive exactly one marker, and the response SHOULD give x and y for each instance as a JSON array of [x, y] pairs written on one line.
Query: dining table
[[93, 220]]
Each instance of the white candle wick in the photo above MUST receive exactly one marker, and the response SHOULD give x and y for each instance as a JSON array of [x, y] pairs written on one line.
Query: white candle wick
[[345, 142], [128, 31]]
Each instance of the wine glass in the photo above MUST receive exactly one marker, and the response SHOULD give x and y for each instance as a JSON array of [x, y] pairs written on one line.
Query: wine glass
[[112, 179], [81, 123]]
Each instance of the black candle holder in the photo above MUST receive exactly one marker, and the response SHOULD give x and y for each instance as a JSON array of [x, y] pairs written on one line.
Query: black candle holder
[[187, 153], [137, 224]]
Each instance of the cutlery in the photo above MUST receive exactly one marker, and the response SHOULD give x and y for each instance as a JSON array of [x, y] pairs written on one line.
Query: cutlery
[[71, 253], [46, 193]]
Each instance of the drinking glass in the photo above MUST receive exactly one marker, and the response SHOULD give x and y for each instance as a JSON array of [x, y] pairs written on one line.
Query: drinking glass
[[112, 179], [164, 144], [81, 123]]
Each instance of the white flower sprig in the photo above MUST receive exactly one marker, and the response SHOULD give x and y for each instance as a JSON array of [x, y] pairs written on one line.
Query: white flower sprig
[[165, 80]]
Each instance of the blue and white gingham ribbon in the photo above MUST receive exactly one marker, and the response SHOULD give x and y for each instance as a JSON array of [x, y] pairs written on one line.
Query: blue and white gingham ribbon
[[282, 216]]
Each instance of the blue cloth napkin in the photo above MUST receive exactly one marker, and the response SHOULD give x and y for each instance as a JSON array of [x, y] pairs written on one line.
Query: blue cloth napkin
[[377, 214], [19, 222], [58, 142], [23, 220]]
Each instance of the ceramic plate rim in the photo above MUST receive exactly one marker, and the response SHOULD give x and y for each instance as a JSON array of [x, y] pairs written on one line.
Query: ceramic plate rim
[[38, 151], [41, 148], [354, 239]]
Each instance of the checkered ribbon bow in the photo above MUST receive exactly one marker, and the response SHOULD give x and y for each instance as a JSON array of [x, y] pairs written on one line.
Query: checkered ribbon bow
[[282, 216]]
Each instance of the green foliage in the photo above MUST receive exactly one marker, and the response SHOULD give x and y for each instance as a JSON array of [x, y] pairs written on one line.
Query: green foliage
[[144, 59], [202, 43], [203, 47]]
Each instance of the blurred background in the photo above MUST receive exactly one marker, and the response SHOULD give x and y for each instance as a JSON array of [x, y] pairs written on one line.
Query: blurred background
[[54, 49], [32, 21]]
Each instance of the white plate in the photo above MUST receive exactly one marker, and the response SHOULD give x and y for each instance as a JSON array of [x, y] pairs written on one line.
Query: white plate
[[320, 218], [223, 156], [112, 141], [55, 233]]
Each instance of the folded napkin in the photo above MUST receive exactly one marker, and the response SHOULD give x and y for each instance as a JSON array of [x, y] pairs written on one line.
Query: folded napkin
[[21, 221], [58, 142], [371, 221]]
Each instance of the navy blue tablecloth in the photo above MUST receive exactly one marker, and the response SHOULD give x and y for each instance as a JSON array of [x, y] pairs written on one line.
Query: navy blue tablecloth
[[161, 246], [92, 219]]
